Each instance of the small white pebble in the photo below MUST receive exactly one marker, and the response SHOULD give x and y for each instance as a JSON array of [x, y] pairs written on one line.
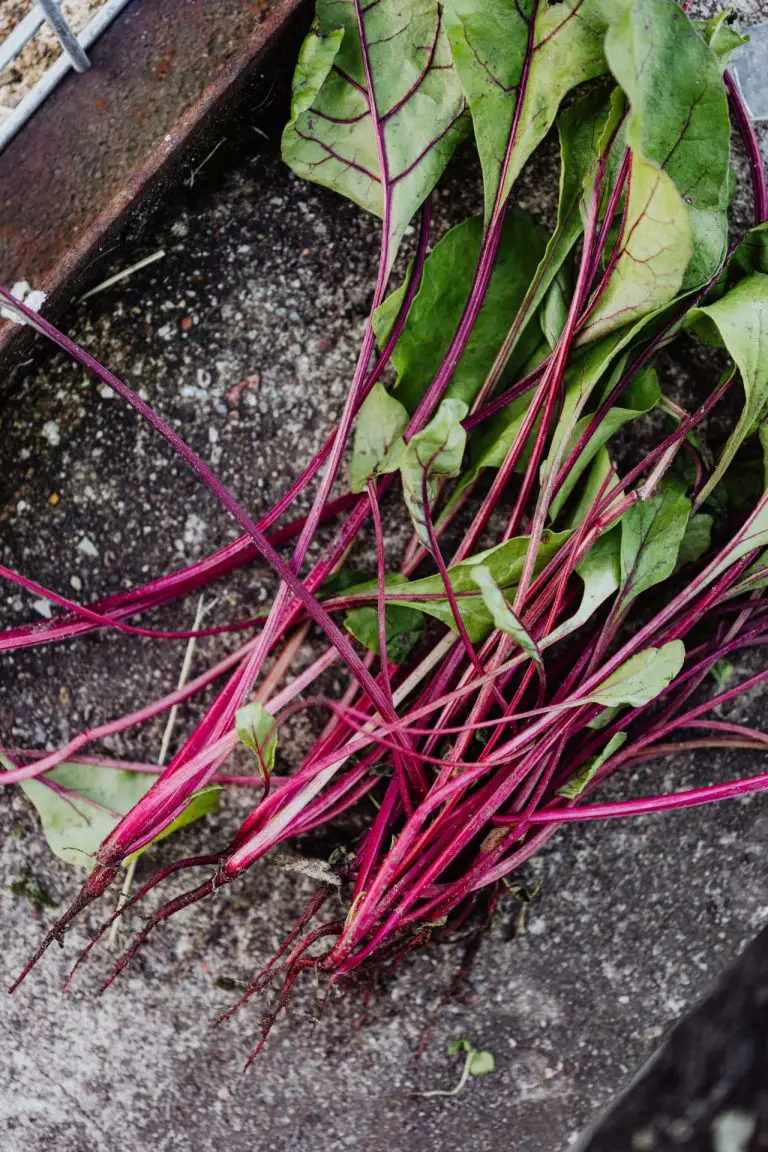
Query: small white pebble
[[51, 433], [43, 608], [76, 583], [732, 1131], [224, 1094], [88, 548]]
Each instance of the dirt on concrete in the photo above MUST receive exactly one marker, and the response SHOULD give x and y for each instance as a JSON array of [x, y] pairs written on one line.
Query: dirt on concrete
[[267, 280]]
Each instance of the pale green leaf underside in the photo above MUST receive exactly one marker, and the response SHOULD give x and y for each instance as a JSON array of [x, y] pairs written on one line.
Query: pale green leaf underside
[[641, 678], [655, 250], [505, 564], [256, 731], [503, 616], [377, 445], [88, 802], [332, 137], [434, 453], [586, 774], [600, 570], [73, 827]]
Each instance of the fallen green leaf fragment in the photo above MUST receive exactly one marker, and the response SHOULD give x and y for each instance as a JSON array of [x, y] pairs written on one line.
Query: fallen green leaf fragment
[[84, 805], [477, 1062], [723, 672], [80, 804]]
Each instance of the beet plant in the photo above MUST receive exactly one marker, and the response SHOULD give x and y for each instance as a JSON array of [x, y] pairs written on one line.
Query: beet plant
[[561, 613]]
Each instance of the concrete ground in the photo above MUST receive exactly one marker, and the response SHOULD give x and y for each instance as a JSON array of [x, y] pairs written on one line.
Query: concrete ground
[[267, 280]]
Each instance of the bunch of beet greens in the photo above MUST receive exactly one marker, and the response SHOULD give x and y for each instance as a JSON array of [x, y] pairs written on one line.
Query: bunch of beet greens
[[570, 633]]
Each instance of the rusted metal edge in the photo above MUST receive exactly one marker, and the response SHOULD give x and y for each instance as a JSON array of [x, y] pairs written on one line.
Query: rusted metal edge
[[71, 270]]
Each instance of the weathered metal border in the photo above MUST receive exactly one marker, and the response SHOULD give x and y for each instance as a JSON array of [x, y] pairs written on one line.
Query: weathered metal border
[[110, 143]]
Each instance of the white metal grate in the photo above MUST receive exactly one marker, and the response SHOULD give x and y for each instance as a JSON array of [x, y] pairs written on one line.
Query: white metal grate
[[73, 54]]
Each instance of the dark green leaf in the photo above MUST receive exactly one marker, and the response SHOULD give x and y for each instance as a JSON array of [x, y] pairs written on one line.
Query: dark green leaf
[[554, 310], [438, 305], [739, 320], [751, 255], [404, 629], [651, 535], [696, 539]]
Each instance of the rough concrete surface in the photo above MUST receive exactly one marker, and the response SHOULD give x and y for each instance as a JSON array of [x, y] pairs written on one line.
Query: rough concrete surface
[[707, 1088], [268, 280]]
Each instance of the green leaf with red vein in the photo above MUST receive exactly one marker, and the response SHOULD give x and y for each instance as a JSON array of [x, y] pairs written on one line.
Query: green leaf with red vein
[[652, 534], [376, 119], [654, 250], [679, 117], [516, 60]]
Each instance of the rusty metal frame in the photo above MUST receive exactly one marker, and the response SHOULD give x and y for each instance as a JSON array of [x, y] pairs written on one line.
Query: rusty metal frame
[[110, 143]]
